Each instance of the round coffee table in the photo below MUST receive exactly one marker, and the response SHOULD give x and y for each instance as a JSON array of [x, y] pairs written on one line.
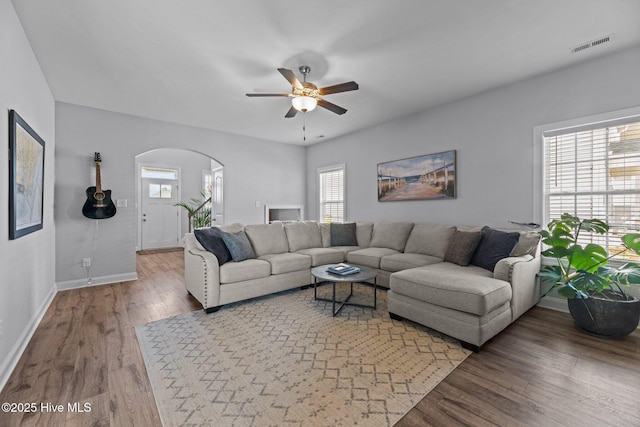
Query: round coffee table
[[321, 276]]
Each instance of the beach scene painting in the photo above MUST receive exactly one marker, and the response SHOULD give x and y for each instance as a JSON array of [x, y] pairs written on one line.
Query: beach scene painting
[[428, 177]]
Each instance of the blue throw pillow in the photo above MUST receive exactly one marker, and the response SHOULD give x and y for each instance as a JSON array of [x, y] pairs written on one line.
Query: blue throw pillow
[[211, 239], [238, 245], [494, 246], [343, 234]]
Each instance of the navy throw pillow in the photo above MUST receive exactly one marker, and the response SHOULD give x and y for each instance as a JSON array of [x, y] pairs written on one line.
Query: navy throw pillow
[[494, 246], [211, 239]]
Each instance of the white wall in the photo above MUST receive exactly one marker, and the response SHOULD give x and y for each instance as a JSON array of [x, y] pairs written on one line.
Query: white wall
[[255, 170], [493, 136], [27, 263]]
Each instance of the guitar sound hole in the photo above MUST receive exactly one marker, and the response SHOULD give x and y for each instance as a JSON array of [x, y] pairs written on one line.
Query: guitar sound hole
[[98, 196]]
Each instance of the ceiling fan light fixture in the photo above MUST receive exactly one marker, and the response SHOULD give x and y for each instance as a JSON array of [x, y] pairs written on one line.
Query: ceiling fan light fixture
[[304, 103]]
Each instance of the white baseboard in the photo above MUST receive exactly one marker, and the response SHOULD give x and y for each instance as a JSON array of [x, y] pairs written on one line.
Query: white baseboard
[[553, 303], [95, 281], [11, 361]]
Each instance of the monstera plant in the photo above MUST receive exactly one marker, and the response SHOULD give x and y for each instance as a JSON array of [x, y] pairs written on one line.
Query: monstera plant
[[595, 290]]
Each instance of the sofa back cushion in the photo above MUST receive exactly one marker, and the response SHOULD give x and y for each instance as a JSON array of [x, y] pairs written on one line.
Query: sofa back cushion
[[364, 232], [429, 239], [303, 235], [267, 238], [391, 235]]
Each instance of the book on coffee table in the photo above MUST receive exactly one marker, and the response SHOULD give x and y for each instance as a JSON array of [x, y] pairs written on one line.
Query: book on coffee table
[[343, 269]]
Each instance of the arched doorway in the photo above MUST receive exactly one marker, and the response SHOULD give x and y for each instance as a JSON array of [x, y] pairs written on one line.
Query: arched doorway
[[169, 175]]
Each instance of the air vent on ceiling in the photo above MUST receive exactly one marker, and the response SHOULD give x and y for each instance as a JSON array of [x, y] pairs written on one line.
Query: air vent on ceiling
[[592, 43]]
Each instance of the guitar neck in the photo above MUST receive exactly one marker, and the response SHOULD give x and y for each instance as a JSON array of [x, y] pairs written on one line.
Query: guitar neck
[[98, 183]]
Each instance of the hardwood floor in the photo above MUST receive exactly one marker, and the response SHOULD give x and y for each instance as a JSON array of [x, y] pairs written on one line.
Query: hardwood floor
[[540, 371]]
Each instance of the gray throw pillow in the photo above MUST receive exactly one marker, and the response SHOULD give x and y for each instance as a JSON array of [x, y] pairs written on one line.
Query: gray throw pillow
[[461, 247], [494, 246], [527, 244], [343, 234], [211, 239], [238, 245]]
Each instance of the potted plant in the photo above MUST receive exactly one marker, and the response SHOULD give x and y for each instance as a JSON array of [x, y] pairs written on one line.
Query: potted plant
[[595, 290], [199, 211]]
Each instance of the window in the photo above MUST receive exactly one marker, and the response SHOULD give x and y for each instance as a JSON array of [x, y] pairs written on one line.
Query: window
[[158, 173], [594, 172], [331, 182]]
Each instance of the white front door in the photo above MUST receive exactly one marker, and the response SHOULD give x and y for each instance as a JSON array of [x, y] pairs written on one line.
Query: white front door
[[160, 217]]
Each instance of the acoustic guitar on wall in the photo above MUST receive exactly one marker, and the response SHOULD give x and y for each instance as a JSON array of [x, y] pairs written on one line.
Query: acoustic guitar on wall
[[99, 204]]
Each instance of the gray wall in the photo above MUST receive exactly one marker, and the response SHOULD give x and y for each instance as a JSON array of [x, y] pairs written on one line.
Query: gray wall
[[493, 136], [26, 264], [119, 138]]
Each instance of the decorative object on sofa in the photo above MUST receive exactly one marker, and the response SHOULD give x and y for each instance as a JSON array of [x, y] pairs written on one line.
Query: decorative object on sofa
[[99, 204], [595, 291], [494, 245], [211, 239], [198, 211], [428, 177], [305, 95], [26, 177]]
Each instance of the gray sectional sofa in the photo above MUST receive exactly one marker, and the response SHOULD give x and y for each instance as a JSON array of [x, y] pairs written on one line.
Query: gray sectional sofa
[[436, 275]]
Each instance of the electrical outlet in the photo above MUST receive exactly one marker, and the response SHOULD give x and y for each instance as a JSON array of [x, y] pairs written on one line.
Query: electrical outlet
[[86, 262]]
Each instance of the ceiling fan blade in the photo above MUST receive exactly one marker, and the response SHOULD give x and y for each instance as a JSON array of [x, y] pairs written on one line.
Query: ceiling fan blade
[[291, 113], [268, 94], [331, 107], [342, 87], [291, 77]]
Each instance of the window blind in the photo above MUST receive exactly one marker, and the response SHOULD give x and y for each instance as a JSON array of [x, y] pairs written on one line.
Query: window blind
[[332, 195], [595, 173]]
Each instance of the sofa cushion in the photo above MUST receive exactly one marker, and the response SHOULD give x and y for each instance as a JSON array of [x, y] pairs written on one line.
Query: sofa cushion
[[267, 238], [369, 257], [364, 232], [429, 239], [343, 234], [303, 235], [494, 246], [392, 235], [233, 272], [322, 256], [287, 262], [461, 247], [238, 245], [527, 244], [398, 262], [211, 239], [470, 289]]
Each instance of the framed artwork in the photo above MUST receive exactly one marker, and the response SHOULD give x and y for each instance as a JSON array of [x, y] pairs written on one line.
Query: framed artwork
[[26, 177], [427, 177]]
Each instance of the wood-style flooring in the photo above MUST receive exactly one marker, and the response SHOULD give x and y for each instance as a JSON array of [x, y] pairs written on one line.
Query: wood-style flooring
[[538, 372]]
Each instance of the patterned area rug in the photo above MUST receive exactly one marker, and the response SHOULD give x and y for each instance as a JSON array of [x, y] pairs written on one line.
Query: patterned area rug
[[284, 360]]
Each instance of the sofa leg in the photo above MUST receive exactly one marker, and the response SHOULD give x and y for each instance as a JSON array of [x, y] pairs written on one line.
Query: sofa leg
[[396, 317], [468, 346], [211, 309]]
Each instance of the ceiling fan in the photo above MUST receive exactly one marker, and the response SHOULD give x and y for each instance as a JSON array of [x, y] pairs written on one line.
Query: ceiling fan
[[305, 96]]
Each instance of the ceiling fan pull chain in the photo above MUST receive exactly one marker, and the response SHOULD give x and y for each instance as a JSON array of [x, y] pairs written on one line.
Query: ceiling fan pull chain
[[304, 126]]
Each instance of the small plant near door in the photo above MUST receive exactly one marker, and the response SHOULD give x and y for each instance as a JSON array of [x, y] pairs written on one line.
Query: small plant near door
[[199, 211]]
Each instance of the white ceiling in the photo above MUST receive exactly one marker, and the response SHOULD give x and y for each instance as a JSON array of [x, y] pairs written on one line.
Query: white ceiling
[[192, 61]]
